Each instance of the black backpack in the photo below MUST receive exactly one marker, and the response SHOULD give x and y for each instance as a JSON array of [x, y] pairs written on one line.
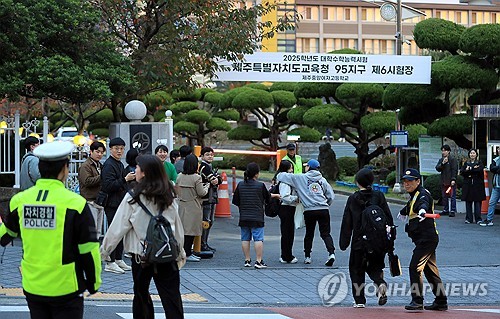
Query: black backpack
[[272, 208], [374, 228], [160, 245]]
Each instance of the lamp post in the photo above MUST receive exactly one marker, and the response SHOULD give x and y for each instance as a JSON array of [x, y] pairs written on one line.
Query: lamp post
[[170, 124]]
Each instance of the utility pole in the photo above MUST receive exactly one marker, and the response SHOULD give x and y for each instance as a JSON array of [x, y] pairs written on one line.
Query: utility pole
[[399, 46]]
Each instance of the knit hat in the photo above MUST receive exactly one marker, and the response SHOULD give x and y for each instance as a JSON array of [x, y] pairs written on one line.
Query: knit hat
[[364, 177], [116, 141]]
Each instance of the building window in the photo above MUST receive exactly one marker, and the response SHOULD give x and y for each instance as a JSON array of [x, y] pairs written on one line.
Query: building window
[[383, 46], [364, 14], [347, 14], [438, 14], [307, 45], [458, 17], [308, 13], [325, 13], [494, 18], [328, 45], [474, 18]]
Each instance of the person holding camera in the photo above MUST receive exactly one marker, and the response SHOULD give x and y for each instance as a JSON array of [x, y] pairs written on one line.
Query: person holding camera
[[208, 175], [423, 233]]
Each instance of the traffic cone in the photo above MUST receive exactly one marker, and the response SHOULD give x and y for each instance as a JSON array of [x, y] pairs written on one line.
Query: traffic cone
[[485, 203], [223, 209]]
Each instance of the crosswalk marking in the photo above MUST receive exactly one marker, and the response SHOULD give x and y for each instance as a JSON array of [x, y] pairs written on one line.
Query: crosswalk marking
[[480, 310], [216, 316], [14, 309]]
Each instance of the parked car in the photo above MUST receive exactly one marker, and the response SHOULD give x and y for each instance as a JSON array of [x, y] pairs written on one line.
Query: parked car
[[68, 133]]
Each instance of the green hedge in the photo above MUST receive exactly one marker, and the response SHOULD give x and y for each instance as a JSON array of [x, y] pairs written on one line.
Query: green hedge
[[240, 161], [348, 166], [391, 178]]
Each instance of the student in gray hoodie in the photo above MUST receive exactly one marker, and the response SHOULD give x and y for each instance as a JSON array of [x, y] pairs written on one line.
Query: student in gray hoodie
[[316, 195]]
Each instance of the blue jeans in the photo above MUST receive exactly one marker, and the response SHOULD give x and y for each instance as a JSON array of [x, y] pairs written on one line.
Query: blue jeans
[[452, 196], [495, 196]]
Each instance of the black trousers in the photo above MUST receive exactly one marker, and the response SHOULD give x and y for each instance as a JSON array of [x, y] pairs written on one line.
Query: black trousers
[[72, 308], [287, 226], [361, 263], [477, 211], [209, 216], [118, 252], [424, 259], [188, 245], [167, 282], [322, 217]]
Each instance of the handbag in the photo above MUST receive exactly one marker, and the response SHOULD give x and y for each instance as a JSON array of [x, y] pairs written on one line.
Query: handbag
[[299, 216], [394, 264], [101, 199]]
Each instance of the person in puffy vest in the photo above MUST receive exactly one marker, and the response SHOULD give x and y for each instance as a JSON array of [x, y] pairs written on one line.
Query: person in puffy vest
[[361, 262], [59, 238], [423, 233]]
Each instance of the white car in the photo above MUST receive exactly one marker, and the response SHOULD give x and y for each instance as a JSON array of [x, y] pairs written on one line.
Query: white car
[[67, 134]]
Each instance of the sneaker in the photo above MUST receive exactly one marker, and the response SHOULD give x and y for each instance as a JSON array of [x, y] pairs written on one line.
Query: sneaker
[[248, 263], [479, 222], [486, 223], [382, 294], [452, 214], [260, 264], [114, 268], [293, 261], [467, 222], [193, 258], [331, 259], [359, 305], [127, 255], [123, 265], [307, 260]]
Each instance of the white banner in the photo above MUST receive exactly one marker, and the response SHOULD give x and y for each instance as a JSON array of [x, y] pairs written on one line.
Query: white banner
[[315, 67]]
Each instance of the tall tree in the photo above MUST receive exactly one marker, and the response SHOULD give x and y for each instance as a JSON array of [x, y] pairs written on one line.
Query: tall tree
[[56, 49], [171, 41]]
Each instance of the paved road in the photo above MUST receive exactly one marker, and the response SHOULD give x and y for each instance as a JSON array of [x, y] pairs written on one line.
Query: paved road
[[467, 256]]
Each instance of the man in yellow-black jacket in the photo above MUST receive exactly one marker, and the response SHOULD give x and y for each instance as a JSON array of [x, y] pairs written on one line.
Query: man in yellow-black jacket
[[423, 233], [60, 248]]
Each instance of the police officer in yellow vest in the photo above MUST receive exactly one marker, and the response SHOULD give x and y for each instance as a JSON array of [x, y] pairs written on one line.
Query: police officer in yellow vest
[[423, 233], [293, 158], [60, 248]]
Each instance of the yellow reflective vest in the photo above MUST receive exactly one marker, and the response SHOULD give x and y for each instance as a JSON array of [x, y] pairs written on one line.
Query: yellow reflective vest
[[60, 246], [297, 164]]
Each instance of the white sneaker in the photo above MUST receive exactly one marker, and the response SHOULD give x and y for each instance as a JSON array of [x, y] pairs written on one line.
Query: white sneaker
[[307, 260], [193, 258], [123, 265], [331, 259], [127, 255], [114, 268], [293, 261], [359, 305]]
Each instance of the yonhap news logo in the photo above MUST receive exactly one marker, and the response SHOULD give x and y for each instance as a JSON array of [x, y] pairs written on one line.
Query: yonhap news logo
[[333, 288]]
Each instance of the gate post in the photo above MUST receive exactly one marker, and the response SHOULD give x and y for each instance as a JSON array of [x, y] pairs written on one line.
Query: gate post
[[17, 147], [45, 129]]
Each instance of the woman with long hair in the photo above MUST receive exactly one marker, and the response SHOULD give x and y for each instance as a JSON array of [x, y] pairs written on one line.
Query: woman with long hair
[[473, 188], [250, 196], [190, 192], [286, 213], [131, 222]]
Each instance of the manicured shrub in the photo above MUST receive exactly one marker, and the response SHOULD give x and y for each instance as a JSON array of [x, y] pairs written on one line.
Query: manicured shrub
[[348, 165]]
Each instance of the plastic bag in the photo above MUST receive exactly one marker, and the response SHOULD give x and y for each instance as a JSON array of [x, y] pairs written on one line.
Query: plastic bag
[[299, 216]]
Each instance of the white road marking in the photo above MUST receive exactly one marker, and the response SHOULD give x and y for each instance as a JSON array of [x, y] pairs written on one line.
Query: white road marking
[[480, 310], [215, 316]]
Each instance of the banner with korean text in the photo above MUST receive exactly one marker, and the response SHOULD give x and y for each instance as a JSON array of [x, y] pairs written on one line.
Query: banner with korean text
[[315, 67]]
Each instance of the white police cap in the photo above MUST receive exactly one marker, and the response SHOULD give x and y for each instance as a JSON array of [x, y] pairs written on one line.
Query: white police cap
[[55, 151]]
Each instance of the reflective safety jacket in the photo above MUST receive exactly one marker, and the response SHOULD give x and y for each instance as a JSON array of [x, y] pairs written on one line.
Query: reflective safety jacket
[[61, 251], [296, 163]]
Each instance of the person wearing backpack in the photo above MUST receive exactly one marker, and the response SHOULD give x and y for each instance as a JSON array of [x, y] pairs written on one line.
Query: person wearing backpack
[[316, 194], [250, 196], [368, 249], [423, 233], [286, 213], [156, 193]]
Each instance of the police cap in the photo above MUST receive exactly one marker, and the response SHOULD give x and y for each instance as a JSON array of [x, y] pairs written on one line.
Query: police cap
[[55, 151]]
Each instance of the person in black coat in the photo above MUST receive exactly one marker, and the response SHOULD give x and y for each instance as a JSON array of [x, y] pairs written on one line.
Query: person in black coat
[[473, 192], [360, 261], [448, 167]]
